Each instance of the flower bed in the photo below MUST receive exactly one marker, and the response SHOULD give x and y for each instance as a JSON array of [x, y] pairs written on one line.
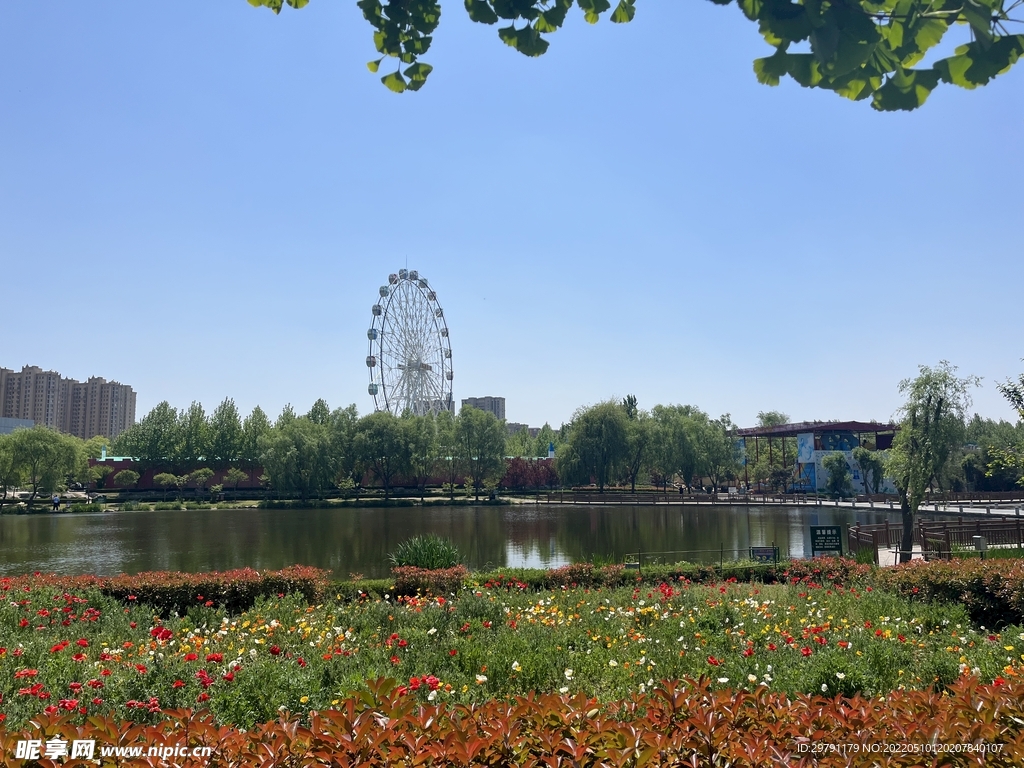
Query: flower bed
[[82, 651]]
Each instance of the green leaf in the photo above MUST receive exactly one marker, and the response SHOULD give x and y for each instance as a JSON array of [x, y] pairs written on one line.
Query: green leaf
[[977, 63], [906, 90], [373, 66], [480, 12], [770, 69], [553, 18], [526, 40], [298, 3], [625, 11], [803, 68], [418, 72], [592, 9], [417, 75], [418, 45], [394, 81]]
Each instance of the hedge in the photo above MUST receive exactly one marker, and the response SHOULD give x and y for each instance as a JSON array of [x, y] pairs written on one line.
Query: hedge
[[679, 723]]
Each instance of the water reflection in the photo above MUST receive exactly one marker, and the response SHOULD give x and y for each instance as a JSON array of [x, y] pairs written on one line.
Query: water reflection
[[358, 540]]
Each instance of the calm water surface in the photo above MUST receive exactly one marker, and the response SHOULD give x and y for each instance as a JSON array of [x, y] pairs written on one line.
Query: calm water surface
[[359, 540]]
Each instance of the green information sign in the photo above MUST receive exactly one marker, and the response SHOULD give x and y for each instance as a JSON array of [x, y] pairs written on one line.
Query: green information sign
[[826, 538]]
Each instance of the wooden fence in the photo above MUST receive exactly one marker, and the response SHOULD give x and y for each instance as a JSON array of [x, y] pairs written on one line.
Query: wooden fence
[[938, 538]]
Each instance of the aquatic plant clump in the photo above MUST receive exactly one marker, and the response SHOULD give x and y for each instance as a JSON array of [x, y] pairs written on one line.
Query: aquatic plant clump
[[430, 551]]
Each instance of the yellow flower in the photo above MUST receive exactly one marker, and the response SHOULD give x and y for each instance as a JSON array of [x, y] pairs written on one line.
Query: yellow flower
[[304, 699]]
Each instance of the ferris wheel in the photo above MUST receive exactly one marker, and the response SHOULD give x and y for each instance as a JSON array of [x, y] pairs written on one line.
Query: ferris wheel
[[410, 357]]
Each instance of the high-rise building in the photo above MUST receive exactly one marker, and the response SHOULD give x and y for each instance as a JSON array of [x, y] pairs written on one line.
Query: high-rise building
[[95, 407], [495, 405]]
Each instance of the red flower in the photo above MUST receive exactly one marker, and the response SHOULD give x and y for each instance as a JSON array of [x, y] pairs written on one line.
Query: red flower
[[805, 651], [215, 658], [82, 642], [748, 652], [133, 625], [95, 684], [141, 668], [452, 652], [713, 661], [97, 701], [395, 660], [901, 638], [23, 623], [301, 661], [78, 657], [178, 684], [274, 650], [191, 657], [229, 676], [999, 681], [204, 696], [76, 687], [105, 672], [402, 643]]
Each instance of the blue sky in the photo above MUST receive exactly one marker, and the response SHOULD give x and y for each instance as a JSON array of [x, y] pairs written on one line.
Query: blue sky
[[201, 200]]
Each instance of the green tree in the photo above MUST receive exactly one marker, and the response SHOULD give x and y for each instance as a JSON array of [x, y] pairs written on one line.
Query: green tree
[[341, 432], [234, 476], [10, 468], [380, 445], [47, 458], [639, 436], [774, 458], [861, 49], [839, 480], [225, 434], [1007, 456], [319, 413], [672, 451], [152, 441], [193, 437], [297, 457], [420, 434], [94, 446], [714, 444], [481, 440], [595, 445], [127, 478], [872, 467], [255, 426], [448, 454], [932, 429], [98, 474], [201, 477], [165, 480]]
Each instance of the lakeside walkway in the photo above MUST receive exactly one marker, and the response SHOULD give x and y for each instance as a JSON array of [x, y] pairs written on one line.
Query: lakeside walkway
[[978, 504]]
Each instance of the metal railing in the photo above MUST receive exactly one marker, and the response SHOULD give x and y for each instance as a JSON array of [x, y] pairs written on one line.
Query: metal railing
[[938, 538], [766, 555]]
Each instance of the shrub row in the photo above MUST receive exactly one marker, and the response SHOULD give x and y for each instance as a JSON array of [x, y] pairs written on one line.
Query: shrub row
[[410, 580], [679, 723], [991, 590], [173, 592]]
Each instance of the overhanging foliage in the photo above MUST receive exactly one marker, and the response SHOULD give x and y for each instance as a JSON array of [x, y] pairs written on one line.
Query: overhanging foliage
[[859, 49]]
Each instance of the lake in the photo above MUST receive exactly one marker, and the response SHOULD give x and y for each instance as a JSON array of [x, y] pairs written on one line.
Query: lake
[[349, 541]]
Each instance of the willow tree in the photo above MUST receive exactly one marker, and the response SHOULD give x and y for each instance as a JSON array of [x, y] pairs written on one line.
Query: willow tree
[[596, 445], [859, 49], [931, 430]]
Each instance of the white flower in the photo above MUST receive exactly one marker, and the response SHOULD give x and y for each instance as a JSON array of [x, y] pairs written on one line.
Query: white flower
[[432, 631], [516, 666], [252, 653], [769, 668], [841, 675], [824, 687], [481, 679], [568, 674], [563, 689], [613, 663], [432, 695], [752, 678], [723, 680]]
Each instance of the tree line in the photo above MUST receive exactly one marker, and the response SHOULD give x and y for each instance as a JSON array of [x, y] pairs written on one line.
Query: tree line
[[610, 443]]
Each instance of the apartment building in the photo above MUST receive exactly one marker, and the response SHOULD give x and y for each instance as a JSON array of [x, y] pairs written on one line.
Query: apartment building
[[495, 405], [83, 409]]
